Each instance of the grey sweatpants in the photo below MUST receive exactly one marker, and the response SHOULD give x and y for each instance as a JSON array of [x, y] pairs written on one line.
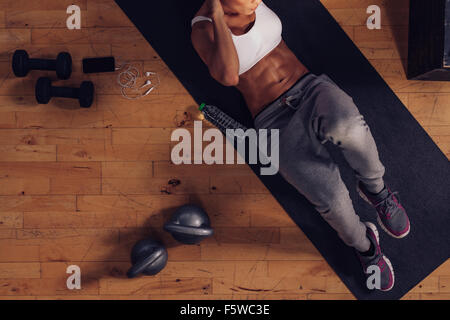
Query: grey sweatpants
[[315, 110]]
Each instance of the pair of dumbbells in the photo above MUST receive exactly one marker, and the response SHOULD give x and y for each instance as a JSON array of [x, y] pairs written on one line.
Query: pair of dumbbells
[[44, 91], [189, 225]]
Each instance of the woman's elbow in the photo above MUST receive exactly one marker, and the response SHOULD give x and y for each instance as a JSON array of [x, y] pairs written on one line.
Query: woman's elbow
[[230, 80], [225, 77]]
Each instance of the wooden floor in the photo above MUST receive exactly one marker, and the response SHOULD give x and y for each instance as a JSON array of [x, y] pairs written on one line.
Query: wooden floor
[[81, 186]]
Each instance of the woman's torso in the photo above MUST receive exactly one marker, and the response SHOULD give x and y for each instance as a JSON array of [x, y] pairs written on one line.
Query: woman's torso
[[270, 78], [272, 75]]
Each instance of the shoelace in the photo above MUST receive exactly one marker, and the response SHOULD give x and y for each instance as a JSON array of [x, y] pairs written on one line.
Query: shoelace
[[381, 263], [378, 261], [388, 204]]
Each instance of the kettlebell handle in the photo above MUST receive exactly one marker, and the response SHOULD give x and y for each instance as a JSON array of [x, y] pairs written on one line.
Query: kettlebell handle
[[143, 264], [192, 231]]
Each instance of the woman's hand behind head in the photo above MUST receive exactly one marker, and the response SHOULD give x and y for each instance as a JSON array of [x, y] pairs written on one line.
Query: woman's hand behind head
[[213, 8]]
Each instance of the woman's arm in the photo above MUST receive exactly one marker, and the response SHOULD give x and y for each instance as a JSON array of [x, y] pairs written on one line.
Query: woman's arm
[[215, 46]]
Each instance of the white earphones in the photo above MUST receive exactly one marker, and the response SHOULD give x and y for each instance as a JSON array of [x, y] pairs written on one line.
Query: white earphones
[[127, 80]]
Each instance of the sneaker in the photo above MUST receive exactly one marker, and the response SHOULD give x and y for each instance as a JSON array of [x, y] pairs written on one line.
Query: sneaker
[[392, 216], [378, 259]]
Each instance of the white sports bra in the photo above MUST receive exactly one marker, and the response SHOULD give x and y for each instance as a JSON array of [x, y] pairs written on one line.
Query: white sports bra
[[263, 37]]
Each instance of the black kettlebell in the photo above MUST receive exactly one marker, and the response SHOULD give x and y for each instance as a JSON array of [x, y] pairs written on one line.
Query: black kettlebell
[[189, 224], [148, 257]]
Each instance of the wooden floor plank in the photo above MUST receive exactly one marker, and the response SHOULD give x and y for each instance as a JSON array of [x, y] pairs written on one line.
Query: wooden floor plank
[[14, 37], [135, 51], [44, 287], [435, 296], [135, 186], [18, 297], [41, 18], [397, 33], [64, 185], [7, 233], [54, 136], [120, 203], [257, 252], [430, 284], [20, 270], [443, 269], [37, 203], [27, 153], [28, 170], [2, 18], [7, 120], [107, 152], [139, 286], [140, 135], [264, 235], [363, 4], [106, 13], [24, 186], [77, 51], [127, 169], [86, 35], [167, 169], [79, 219], [12, 250], [237, 185], [285, 285], [444, 284], [358, 16], [11, 220], [17, 5], [330, 296]]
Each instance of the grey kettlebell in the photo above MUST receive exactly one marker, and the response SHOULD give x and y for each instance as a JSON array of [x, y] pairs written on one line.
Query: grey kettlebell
[[189, 224], [148, 257]]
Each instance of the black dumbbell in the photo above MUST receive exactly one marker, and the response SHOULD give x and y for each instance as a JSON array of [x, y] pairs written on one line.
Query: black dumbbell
[[148, 257], [45, 91], [189, 224], [21, 64]]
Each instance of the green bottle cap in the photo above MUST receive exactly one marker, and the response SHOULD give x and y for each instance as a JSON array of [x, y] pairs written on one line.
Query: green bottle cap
[[202, 106]]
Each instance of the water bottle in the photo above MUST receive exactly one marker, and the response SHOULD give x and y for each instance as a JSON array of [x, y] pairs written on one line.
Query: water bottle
[[219, 118], [223, 122]]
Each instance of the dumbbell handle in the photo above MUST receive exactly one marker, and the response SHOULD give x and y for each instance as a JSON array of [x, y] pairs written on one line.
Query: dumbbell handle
[[42, 64], [65, 92], [193, 231], [141, 265]]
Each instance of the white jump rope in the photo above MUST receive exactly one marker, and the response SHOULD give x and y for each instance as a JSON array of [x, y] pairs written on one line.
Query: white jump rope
[[127, 79]]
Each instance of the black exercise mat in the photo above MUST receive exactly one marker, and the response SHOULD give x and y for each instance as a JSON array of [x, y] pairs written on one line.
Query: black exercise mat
[[414, 164]]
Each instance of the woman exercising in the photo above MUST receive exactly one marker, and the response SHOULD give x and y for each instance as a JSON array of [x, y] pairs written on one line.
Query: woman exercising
[[240, 42]]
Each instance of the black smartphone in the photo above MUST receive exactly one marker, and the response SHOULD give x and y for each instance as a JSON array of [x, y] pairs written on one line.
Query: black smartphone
[[95, 65]]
